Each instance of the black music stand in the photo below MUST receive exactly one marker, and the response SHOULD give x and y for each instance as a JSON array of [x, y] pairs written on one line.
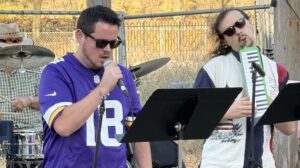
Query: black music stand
[[285, 107], [180, 114]]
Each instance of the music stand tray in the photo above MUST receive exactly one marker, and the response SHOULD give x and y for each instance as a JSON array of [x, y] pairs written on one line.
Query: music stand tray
[[285, 107], [198, 110]]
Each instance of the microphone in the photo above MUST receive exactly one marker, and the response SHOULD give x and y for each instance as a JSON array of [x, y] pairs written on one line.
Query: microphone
[[258, 69], [120, 81]]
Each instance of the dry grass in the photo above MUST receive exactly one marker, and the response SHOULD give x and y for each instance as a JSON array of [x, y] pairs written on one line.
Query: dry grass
[[192, 152], [2, 162]]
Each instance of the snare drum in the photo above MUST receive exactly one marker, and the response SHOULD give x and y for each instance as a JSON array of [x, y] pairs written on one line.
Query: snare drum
[[27, 144]]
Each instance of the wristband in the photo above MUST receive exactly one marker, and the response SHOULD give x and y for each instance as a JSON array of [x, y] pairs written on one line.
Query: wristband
[[102, 95]]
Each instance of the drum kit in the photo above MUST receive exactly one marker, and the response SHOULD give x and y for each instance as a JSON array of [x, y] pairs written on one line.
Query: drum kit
[[25, 148]]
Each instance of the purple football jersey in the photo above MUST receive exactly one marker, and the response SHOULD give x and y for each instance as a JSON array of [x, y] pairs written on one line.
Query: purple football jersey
[[66, 81]]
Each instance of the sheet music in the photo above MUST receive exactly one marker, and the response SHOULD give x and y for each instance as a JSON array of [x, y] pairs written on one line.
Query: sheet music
[[249, 55]]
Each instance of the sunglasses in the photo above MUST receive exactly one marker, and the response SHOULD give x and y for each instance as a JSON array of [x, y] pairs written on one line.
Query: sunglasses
[[100, 43], [12, 40], [231, 30]]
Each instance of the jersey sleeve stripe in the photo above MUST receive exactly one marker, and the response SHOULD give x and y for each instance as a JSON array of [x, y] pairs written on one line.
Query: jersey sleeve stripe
[[54, 114], [53, 111]]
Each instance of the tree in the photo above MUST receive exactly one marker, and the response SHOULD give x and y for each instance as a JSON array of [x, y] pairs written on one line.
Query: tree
[[36, 21], [287, 42]]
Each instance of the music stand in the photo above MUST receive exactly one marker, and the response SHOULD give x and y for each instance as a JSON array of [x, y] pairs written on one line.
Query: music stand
[[285, 107], [180, 114]]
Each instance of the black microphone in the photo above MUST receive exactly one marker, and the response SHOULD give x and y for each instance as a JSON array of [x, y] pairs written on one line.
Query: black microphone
[[120, 81], [258, 69]]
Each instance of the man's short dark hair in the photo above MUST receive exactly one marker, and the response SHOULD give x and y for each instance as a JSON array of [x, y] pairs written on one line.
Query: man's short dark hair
[[90, 16]]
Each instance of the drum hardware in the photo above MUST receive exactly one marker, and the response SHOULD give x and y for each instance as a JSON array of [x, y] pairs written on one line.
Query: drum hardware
[[25, 57], [32, 71], [147, 67], [16, 162], [130, 146], [11, 113]]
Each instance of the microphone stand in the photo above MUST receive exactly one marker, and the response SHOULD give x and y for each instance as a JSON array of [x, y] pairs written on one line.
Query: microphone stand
[[251, 159], [179, 127], [101, 113], [130, 146]]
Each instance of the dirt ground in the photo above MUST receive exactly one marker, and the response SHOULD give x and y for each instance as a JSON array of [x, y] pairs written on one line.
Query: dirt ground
[[192, 153]]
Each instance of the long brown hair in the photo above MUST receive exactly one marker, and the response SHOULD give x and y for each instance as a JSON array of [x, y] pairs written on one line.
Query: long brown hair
[[222, 48]]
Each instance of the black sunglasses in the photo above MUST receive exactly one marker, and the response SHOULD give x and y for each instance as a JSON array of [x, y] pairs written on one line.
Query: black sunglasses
[[100, 43], [231, 30]]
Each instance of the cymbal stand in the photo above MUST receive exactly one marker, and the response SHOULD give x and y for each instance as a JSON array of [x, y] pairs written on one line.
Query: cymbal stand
[[21, 55], [22, 69], [179, 129]]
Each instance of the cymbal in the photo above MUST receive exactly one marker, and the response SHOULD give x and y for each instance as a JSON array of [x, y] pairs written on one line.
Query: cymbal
[[25, 56], [147, 67]]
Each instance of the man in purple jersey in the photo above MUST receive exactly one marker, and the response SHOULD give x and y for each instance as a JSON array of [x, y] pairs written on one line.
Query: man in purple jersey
[[71, 91]]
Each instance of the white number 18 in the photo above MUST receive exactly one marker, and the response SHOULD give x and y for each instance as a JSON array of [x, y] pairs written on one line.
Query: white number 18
[[115, 122]]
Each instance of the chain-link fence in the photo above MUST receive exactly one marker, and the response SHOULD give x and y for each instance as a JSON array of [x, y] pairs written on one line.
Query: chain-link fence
[[53, 32], [186, 39]]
